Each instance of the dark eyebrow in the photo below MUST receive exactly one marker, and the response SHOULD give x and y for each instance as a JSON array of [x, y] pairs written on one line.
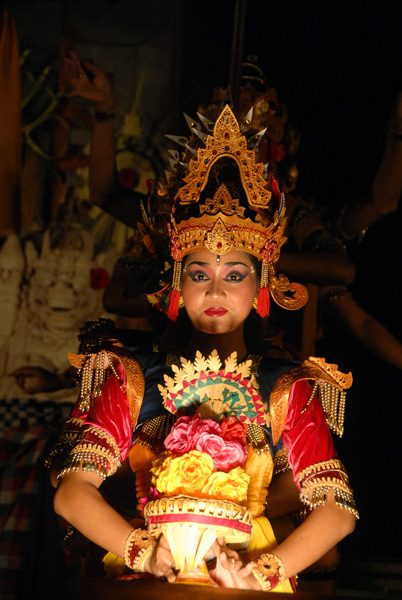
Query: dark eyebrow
[[238, 262], [199, 263]]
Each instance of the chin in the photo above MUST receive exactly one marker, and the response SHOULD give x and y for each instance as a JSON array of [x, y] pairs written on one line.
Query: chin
[[216, 327]]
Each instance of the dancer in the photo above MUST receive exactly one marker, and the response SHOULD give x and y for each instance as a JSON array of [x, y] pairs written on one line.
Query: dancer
[[226, 233]]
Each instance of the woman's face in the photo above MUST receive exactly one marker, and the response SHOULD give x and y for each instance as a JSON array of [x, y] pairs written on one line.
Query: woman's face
[[218, 294]]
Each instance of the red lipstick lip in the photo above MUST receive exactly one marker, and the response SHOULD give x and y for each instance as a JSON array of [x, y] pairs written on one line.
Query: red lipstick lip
[[216, 312]]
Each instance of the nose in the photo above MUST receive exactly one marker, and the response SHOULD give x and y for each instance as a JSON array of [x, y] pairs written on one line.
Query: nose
[[216, 288]]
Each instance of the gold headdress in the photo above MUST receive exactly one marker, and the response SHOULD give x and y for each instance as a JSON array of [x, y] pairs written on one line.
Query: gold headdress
[[229, 201]]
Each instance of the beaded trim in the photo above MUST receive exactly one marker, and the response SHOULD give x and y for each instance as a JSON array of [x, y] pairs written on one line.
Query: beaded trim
[[270, 571], [333, 402], [139, 545], [92, 379], [154, 431], [319, 479], [281, 463], [67, 440], [93, 457], [257, 439], [300, 515], [102, 435], [314, 368]]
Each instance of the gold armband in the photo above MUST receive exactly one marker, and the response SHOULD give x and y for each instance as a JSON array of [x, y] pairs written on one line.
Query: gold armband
[[270, 571], [139, 545]]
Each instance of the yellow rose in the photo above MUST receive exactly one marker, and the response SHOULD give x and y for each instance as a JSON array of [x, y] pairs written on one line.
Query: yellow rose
[[187, 474], [227, 486], [160, 471]]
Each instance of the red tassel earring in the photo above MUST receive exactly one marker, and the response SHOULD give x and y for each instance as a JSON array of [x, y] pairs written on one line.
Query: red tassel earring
[[263, 293], [173, 310]]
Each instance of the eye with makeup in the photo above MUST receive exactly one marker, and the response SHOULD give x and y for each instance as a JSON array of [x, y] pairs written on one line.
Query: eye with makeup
[[235, 276], [198, 276]]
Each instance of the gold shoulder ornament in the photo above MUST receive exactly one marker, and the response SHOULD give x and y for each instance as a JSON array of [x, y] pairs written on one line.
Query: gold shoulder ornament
[[330, 386], [95, 361]]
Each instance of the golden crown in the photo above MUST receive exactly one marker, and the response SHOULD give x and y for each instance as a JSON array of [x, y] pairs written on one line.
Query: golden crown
[[222, 226], [227, 202]]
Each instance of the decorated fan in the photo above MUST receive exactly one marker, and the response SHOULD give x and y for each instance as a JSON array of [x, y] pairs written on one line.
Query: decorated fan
[[203, 386]]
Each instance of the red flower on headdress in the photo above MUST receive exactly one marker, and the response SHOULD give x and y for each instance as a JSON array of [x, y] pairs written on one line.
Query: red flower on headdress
[[99, 278], [276, 152], [128, 178], [175, 248], [268, 251]]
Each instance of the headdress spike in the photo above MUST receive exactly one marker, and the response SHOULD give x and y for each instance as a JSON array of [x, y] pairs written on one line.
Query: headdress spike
[[192, 150], [173, 162], [246, 123], [178, 139], [208, 124], [203, 136], [193, 125]]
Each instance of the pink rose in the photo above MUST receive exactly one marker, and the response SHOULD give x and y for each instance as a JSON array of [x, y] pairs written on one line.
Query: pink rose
[[234, 430], [179, 441], [231, 456], [200, 426], [211, 444]]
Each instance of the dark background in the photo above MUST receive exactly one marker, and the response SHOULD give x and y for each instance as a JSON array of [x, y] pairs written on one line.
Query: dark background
[[336, 65]]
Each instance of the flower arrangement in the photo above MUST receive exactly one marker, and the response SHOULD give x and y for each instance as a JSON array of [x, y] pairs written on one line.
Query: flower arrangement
[[203, 459]]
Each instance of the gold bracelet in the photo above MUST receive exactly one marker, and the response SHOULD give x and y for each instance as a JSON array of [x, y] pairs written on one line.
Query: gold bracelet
[[270, 571], [139, 545]]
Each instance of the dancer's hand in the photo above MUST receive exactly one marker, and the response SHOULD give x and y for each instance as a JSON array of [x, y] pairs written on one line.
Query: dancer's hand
[[33, 380], [85, 80], [230, 571], [161, 562]]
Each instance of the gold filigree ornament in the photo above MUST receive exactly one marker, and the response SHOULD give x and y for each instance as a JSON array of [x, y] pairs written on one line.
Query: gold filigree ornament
[[227, 141], [286, 294], [212, 390]]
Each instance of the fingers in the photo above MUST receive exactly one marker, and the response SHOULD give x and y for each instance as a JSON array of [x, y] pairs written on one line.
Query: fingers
[[27, 371], [92, 68], [230, 560], [169, 574], [246, 570], [161, 561]]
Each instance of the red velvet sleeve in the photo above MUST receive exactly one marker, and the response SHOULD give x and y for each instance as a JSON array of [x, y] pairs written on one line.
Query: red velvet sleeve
[[311, 453], [306, 435]]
